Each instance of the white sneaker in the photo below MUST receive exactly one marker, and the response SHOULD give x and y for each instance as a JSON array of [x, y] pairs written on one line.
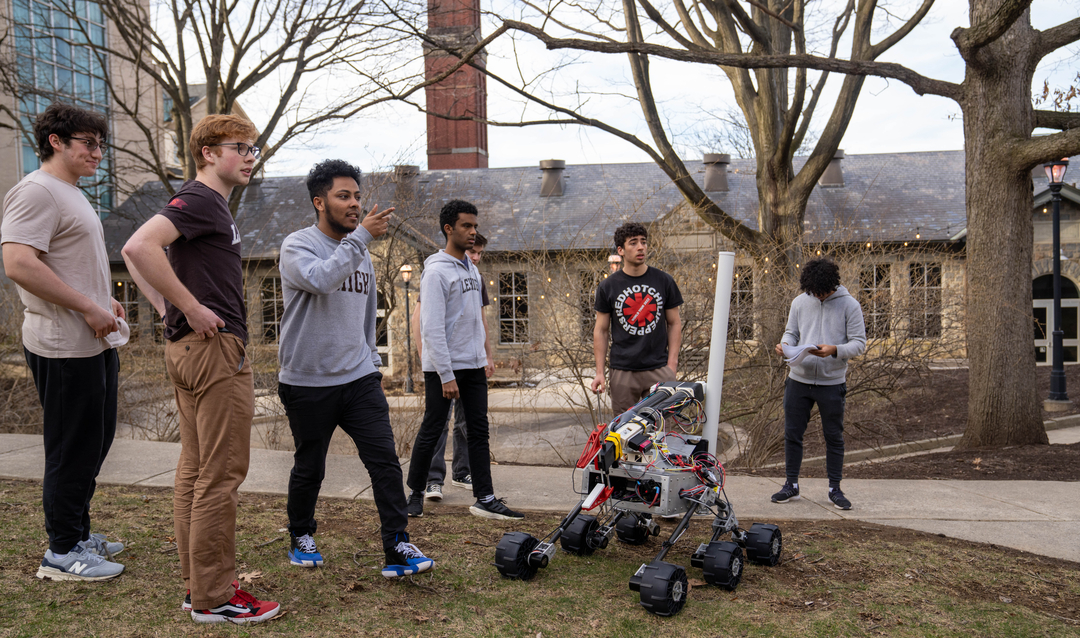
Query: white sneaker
[[78, 564]]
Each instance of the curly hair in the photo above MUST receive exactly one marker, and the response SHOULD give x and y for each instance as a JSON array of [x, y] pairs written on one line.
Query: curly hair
[[627, 231], [321, 177], [64, 121], [819, 277], [450, 212], [213, 128]]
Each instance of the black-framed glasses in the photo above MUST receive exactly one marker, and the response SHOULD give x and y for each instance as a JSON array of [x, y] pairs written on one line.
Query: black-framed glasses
[[92, 144], [243, 149]]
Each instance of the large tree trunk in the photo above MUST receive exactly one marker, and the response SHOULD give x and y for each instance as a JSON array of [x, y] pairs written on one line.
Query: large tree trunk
[[1003, 408]]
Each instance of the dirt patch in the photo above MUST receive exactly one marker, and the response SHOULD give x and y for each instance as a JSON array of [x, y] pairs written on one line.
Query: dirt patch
[[935, 407]]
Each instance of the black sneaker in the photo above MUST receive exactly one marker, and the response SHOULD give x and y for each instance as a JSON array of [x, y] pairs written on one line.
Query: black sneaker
[[405, 560], [464, 482], [787, 493], [496, 509], [416, 505], [433, 492], [838, 499]]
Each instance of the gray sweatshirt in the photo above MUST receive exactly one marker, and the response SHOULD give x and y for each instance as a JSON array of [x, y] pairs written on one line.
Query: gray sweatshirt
[[327, 332], [451, 326], [837, 321]]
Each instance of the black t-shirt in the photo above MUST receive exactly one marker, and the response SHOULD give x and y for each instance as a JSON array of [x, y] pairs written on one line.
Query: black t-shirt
[[638, 327], [206, 258]]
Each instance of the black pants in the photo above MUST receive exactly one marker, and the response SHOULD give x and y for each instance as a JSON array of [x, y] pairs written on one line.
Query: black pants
[[472, 384], [460, 463], [799, 399], [78, 397], [360, 408]]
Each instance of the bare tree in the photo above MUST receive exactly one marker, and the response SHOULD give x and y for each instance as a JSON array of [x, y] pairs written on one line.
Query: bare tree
[[1002, 51], [309, 65], [778, 104]]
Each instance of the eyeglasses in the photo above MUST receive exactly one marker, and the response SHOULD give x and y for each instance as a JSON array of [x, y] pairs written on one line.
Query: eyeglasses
[[92, 145], [243, 149]]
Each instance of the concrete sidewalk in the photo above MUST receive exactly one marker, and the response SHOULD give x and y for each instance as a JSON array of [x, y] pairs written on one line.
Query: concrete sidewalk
[[1041, 517]]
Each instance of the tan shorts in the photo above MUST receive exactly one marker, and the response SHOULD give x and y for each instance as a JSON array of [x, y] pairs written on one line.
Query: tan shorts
[[630, 386]]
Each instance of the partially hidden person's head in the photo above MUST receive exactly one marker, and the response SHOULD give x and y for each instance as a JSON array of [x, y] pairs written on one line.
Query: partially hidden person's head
[[227, 142], [477, 249], [819, 277], [457, 220], [632, 243], [334, 189], [78, 135]]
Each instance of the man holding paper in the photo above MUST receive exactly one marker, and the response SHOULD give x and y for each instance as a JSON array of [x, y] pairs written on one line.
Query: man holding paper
[[830, 320]]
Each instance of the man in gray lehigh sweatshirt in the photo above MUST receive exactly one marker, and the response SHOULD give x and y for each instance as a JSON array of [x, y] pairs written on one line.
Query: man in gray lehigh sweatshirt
[[831, 319], [454, 361], [329, 364]]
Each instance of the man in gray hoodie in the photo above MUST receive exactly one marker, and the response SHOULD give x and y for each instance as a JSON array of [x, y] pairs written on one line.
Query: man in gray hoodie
[[329, 364], [830, 319], [454, 361]]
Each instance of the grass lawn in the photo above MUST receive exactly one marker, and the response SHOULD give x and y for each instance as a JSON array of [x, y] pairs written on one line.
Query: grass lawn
[[836, 579]]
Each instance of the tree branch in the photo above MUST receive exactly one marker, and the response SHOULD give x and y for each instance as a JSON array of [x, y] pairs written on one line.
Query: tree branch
[[921, 84], [986, 31], [1027, 154], [1046, 42], [1057, 120]]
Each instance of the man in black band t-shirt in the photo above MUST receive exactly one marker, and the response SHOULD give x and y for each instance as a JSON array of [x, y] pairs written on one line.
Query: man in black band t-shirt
[[638, 308]]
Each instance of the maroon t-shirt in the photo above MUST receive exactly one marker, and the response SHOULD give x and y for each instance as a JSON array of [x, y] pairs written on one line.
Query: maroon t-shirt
[[206, 258]]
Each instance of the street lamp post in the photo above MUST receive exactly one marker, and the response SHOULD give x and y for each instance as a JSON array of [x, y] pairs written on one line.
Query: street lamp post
[[406, 275], [1055, 175]]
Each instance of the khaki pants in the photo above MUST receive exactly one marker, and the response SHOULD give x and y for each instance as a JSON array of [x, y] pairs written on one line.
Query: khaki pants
[[630, 386], [215, 397]]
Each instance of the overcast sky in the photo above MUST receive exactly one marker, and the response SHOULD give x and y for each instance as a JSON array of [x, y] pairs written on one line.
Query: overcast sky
[[889, 116]]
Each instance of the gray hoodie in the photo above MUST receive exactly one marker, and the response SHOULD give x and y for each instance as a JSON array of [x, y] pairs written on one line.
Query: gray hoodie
[[328, 328], [451, 326], [837, 321]]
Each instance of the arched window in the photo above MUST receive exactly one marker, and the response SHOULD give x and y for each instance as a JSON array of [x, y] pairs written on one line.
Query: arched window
[[1043, 288]]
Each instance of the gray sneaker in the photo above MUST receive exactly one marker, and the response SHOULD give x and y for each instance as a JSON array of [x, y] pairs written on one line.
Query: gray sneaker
[[433, 492], [98, 545], [79, 564]]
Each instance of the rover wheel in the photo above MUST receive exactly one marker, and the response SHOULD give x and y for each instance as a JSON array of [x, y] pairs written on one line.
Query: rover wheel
[[722, 565], [764, 542], [577, 537], [663, 588], [628, 531], [512, 555]]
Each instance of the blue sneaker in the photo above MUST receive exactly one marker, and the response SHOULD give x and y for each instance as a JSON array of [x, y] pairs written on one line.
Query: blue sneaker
[[98, 545], [303, 552], [405, 560], [78, 564]]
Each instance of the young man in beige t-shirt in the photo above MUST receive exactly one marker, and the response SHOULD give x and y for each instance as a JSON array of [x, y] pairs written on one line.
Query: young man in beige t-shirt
[[54, 250]]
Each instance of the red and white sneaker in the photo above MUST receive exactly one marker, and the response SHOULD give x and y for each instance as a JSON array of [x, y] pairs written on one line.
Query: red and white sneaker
[[242, 608], [187, 597]]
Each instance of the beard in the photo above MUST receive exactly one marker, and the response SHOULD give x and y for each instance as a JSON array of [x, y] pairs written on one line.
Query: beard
[[338, 227]]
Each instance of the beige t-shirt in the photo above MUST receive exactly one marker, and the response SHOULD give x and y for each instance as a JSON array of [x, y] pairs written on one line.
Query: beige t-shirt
[[54, 216]]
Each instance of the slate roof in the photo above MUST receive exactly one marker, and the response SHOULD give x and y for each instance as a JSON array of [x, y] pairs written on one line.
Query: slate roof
[[885, 197]]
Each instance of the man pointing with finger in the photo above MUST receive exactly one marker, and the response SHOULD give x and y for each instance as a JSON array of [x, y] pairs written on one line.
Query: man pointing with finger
[[199, 286], [329, 364]]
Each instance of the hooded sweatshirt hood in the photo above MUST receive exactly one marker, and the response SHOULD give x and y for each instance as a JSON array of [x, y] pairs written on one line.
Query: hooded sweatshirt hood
[[837, 321], [451, 324]]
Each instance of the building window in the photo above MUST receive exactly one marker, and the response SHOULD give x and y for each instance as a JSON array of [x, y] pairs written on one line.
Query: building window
[[925, 309], [513, 307], [382, 329], [273, 306], [875, 296], [128, 295], [741, 313], [55, 62]]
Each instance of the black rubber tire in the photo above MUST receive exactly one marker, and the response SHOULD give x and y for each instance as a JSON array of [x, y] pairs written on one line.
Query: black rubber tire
[[512, 555], [663, 588], [577, 537], [628, 531], [764, 543], [723, 565]]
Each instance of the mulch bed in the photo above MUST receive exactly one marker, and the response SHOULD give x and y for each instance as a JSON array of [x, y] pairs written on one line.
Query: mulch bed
[[930, 411]]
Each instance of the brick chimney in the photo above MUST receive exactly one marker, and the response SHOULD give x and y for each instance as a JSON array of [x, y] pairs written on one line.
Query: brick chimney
[[455, 26]]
